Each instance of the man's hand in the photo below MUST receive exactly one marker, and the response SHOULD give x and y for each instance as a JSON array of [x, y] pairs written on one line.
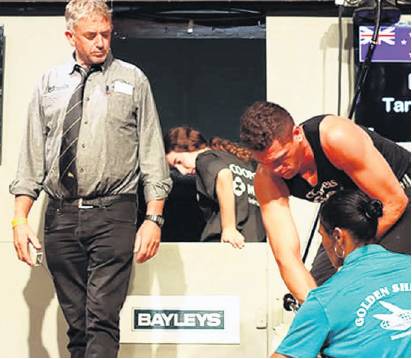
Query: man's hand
[[147, 241], [234, 237], [23, 235]]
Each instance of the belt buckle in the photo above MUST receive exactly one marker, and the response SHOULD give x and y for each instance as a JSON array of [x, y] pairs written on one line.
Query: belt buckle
[[82, 206]]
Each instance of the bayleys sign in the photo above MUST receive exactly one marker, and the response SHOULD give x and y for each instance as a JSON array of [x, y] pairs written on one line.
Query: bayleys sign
[[178, 319], [184, 319]]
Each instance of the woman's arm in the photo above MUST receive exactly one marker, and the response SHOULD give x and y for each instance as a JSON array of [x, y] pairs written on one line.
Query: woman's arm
[[227, 206]]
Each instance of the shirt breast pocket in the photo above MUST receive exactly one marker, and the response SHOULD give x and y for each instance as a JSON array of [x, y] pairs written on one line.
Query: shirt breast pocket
[[121, 110]]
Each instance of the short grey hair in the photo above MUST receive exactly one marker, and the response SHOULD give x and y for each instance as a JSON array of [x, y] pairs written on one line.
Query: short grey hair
[[77, 9]]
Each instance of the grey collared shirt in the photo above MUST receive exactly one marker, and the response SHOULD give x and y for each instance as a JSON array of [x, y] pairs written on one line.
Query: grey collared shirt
[[120, 137]]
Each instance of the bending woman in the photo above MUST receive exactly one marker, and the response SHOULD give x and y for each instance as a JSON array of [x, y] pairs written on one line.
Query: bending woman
[[224, 183], [363, 310]]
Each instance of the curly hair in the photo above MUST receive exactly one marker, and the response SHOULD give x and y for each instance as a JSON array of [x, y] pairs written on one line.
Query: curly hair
[[221, 144], [187, 139], [77, 9], [262, 123]]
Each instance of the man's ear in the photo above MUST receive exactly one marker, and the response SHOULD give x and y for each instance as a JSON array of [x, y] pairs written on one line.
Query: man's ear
[[70, 37], [297, 133]]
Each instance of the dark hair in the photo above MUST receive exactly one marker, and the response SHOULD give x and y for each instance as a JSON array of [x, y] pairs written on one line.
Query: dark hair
[[264, 122], [354, 211], [187, 139], [183, 139]]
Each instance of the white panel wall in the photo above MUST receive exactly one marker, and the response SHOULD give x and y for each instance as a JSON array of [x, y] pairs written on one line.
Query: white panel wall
[[302, 65]]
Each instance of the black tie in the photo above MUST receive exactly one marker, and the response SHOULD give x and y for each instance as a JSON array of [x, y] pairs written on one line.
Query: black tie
[[70, 136]]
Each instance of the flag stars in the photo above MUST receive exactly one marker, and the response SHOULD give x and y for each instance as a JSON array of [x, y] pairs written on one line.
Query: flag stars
[[404, 42]]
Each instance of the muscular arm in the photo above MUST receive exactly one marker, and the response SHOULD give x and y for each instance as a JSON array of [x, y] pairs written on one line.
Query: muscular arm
[[272, 195], [350, 149], [227, 207]]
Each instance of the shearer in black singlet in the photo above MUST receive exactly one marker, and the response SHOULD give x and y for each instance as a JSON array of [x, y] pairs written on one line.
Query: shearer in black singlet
[[312, 161]]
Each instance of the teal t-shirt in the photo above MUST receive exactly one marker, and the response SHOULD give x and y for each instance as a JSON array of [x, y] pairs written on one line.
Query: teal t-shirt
[[362, 311]]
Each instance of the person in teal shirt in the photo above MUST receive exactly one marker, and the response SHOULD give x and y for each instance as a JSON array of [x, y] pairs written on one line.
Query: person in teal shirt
[[364, 310]]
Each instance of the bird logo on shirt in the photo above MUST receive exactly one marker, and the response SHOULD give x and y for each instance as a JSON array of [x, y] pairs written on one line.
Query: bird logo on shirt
[[398, 319]]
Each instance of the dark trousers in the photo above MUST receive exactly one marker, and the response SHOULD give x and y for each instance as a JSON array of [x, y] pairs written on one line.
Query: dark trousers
[[89, 254], [397, 239]]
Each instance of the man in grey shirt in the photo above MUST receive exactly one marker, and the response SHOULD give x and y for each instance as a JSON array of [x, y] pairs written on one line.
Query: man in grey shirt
[[92, 134]]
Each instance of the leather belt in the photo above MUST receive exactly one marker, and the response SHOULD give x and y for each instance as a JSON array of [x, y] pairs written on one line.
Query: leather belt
[[96, 202]]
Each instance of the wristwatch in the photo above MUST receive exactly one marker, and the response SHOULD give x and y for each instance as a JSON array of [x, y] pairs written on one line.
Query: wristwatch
[[156, 218]]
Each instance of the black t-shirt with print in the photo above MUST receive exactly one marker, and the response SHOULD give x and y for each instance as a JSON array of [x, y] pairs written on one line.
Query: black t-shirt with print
[[248, 217]]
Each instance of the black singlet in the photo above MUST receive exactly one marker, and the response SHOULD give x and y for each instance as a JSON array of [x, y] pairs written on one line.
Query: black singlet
[[331, 179]]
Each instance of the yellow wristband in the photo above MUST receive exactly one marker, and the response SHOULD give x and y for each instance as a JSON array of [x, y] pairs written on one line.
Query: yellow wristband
[[19, 220]]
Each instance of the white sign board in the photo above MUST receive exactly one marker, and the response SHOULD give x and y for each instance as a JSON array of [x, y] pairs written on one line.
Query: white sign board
[[180, 319]]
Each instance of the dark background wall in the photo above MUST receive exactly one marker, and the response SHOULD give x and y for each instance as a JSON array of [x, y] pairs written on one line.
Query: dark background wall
[[204, 83]]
